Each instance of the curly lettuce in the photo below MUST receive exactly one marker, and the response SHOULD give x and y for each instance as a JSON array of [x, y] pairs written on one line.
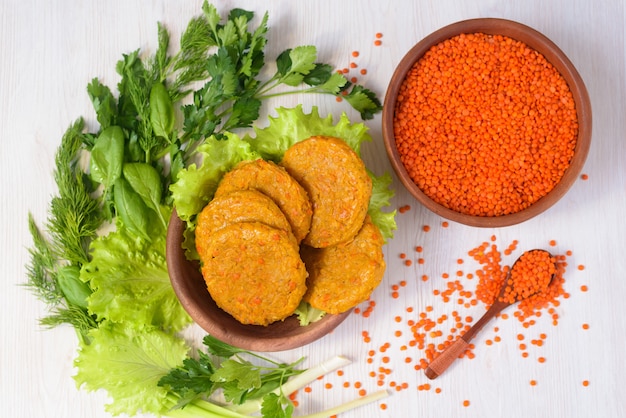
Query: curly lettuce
[[128, 275], [128, 362]]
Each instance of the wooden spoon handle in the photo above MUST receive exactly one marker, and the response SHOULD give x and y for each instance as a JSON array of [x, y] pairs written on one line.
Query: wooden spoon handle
[[446, 358]]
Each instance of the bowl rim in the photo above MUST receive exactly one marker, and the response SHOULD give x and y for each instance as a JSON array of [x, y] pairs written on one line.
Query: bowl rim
[[554, 55], [196, 299]]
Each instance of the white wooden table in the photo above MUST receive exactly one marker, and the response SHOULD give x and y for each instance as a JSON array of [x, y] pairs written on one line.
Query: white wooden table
[[52, 49]]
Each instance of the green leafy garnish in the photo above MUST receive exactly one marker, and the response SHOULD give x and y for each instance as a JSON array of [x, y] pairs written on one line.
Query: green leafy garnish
[[129, 280], [128, 362], [239, 378]]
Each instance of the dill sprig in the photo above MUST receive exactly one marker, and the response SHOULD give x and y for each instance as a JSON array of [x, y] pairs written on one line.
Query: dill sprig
[[74, 217]]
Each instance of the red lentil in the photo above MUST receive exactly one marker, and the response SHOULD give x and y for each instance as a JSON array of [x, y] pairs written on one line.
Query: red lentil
[[530, 274], [487, 132]]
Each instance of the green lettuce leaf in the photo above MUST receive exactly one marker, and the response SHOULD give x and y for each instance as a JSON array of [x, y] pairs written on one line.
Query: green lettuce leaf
[[293, 125], [307, 314], [381, 197], [130, 282], [195, 185], [128, 362]]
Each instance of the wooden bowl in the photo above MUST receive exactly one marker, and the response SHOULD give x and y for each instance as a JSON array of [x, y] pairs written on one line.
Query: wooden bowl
[[536, 41], [191, 290]]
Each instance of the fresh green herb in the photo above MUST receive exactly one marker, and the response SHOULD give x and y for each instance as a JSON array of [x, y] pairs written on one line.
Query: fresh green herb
[[72, 224], [238, 378]]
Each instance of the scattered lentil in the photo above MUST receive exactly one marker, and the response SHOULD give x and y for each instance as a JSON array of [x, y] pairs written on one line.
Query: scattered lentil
[[429, 334]]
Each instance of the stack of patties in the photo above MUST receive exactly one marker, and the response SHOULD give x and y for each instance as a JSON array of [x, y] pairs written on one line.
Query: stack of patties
[[275, 235]]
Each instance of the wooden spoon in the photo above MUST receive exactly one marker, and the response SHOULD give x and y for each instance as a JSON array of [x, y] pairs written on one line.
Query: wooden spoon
[[447, 357]]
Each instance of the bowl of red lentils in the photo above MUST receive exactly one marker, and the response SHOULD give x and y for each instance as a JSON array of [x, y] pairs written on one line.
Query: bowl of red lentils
[[486, 122]]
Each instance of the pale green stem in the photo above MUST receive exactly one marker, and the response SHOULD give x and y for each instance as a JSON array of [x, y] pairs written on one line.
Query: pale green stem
[[295, 383]]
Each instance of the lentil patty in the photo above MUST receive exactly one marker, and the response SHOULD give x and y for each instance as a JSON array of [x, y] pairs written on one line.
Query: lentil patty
[[254, 272], [342, 276], [337, 183], [238, 206], [273, 181]]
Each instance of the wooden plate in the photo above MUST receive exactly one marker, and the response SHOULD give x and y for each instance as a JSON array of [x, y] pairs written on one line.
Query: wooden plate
[[190, 289]]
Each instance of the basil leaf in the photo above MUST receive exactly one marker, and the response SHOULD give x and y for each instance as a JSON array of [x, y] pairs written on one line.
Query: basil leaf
[[131, 208], [161, 111], [75, 290], [107, 156], [146, 181]]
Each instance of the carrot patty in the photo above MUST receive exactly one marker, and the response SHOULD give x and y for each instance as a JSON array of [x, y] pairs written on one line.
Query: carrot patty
[[238, 206], [273, 181], [337, 183], [342, 276], [254, 272]]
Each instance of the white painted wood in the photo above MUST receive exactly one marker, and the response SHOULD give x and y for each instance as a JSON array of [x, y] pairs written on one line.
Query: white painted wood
[[50, 50]]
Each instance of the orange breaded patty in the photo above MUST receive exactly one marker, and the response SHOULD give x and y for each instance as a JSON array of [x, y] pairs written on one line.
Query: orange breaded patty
[[273, 181], [342, 276], [254, 272], [238, 206], [336, 180]]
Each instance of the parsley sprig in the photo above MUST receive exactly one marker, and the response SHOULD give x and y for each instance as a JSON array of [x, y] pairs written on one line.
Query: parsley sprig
[[232, 96], [230, 369]]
